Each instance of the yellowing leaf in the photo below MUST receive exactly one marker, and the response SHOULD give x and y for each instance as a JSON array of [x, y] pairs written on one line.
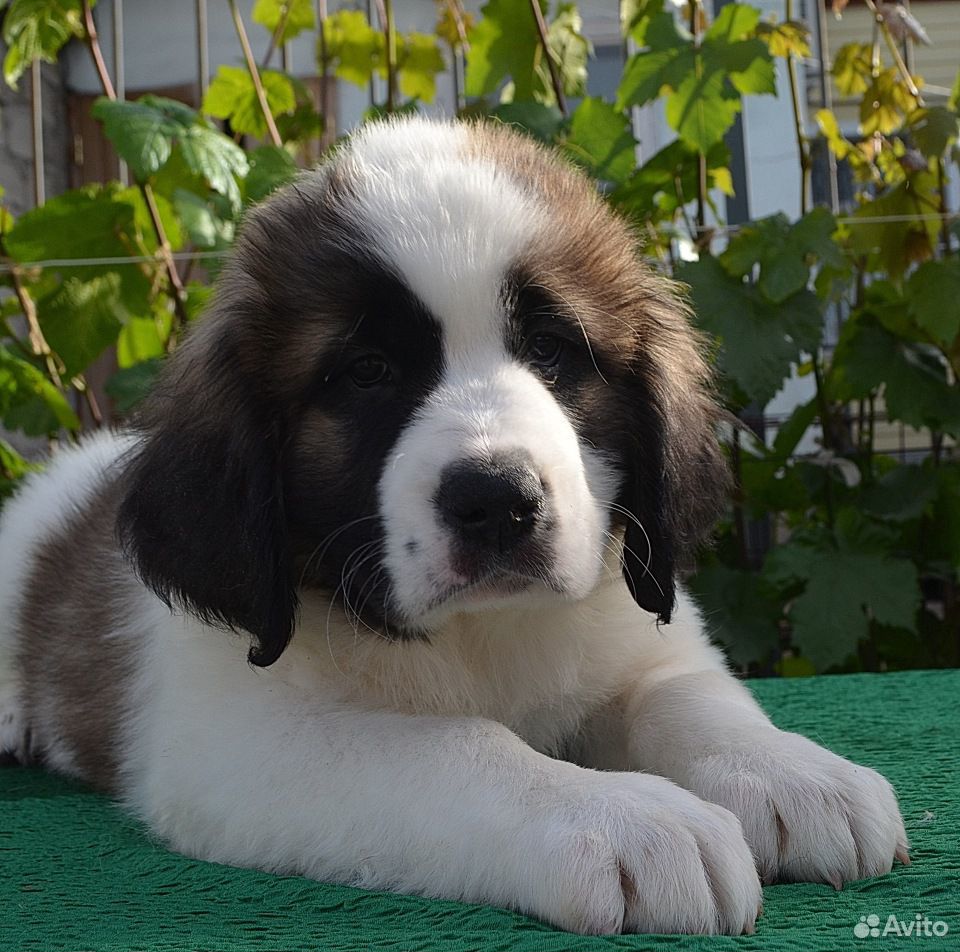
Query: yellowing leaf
[[852, 68], [885, 103], [355, 50], [296, 15], [790, 38], [419, 60]]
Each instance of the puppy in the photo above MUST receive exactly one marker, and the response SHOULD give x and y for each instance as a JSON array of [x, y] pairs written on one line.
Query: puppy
[[372, 593]]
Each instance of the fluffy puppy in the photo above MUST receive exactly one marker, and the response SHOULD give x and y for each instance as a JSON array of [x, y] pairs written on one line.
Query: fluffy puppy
[[434, 457]]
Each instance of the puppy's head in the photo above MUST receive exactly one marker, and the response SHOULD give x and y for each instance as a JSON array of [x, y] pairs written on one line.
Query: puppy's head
[[435, 379]]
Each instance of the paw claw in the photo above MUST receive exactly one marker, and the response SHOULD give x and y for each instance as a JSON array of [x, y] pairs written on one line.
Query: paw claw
[[903, 855]]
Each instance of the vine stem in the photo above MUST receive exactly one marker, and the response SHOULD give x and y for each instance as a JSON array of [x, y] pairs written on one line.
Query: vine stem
[[93, 41], [803, 145], [277, 35], [38, 343], [390, 29], [895, 53], [177, 292], [254, 73], [701, 158], [457, 15], [323, 93], [555, 79]]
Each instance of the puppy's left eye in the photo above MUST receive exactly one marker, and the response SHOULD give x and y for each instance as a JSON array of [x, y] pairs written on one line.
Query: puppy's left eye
[[369, 371], [544, 350]]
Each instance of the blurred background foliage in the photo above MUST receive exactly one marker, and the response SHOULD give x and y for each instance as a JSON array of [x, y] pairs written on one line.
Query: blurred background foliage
[[836, 555]]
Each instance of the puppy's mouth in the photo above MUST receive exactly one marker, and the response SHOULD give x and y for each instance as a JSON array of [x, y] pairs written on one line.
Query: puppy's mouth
[[492, 587]]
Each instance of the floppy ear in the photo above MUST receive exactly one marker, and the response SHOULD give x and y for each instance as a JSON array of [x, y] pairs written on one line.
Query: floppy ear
[[679, 480], [202, 515]]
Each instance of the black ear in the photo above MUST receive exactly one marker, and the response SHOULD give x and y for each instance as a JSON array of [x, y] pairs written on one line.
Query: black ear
[[678, 478], [202, 515], [649, 559]]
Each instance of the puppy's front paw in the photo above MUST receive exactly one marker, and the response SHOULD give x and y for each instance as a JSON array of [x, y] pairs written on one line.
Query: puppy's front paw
[[635, 853], [808, 815]]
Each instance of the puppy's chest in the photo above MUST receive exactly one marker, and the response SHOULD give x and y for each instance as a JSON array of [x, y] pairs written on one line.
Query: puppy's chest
[[540, 684]]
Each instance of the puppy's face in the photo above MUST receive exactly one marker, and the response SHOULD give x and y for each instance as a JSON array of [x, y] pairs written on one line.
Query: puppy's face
[[436, 379]]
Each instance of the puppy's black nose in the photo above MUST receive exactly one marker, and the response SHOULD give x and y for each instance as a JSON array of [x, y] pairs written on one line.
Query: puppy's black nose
[[491, 503]]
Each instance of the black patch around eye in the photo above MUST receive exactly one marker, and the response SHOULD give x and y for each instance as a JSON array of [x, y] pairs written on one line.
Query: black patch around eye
[[370, 370], [544, 350], [543, 334], [391, 345], [382, 366]]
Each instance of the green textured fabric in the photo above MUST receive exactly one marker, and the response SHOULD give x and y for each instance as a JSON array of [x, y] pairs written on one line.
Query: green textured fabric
[[76, 874]]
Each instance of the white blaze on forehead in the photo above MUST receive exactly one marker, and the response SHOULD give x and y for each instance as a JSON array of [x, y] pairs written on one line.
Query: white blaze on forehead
[[451, 223]]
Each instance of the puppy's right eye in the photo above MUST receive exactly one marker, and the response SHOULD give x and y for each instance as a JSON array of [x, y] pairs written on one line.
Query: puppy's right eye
[[369, 371]]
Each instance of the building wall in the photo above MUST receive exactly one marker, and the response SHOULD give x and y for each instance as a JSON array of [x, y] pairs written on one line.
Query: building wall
[[16, 138]]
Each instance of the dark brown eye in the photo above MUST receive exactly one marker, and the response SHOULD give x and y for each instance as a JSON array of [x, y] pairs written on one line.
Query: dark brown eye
[[369, 371], [544, 350]]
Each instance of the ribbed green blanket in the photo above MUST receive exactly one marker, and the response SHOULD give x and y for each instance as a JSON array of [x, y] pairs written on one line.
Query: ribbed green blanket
[[76, 874]]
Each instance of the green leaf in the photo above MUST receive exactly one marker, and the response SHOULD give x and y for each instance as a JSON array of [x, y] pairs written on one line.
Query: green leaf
[[143, 338], [504, 44], [13, 467], [570, 49], [734, 22], [146, 133], [28, 401], [896, 229], [740, 610], [830, 617], [83, 223], [703, 108], [758, 340], [299, 16], [934, 129], [270, 168], [647, 74], [127, 387], [141, 132], [669, 179], [601, 141], [419, 60], [355, 50], [79, 319], [933, 292], [206, 229], [792, 431], [216, 159], [143, 221], [38, 29], [943, 526], [233, 96], [914, 382], [784, 252], [749, 64], [954, 101], [901, 494], [540, 121]]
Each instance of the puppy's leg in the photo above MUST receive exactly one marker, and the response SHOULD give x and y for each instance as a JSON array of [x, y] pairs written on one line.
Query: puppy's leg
[[808, 814], [458, 808]]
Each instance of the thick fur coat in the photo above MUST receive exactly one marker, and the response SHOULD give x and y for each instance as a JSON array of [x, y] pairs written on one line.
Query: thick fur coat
[[376, 589]]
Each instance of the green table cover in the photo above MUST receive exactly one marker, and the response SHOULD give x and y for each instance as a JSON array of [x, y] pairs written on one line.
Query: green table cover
[[77, 874]]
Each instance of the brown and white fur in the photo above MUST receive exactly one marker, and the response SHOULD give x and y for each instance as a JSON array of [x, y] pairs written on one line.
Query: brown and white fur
[[440, 446]]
